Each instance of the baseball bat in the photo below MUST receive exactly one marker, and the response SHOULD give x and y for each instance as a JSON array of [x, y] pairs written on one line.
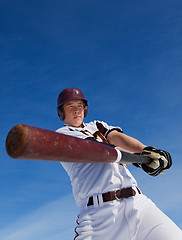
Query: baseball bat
[[32, 143]]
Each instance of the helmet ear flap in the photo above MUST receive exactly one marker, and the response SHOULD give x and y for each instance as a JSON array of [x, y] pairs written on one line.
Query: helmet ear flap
[[85, 110], [61, 113], [62, 116]]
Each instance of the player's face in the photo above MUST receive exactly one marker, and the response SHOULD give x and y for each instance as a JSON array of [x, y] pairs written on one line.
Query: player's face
[[74, 113]]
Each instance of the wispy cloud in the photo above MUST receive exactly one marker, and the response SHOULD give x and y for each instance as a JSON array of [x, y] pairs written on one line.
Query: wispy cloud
[[52, 221]]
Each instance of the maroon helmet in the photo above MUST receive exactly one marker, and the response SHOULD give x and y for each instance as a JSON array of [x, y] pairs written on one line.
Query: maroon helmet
[[69, 94]]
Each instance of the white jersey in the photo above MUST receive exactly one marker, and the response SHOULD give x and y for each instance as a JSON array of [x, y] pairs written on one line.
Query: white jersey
[[88, 179]]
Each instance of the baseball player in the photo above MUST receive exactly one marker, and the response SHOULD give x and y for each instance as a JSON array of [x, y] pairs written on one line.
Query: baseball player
[[111, 204]]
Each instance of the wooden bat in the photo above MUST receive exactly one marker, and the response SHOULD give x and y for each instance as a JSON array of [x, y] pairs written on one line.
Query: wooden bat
[[32, 143]]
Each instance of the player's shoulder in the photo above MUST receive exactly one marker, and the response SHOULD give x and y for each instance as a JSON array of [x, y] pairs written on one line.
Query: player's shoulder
[[105, 128], [95, 123]]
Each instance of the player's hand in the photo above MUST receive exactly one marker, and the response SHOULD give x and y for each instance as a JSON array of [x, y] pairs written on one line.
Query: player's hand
[[161, 160]]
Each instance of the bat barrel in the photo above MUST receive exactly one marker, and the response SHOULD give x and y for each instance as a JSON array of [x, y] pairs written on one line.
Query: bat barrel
[[32, 143]]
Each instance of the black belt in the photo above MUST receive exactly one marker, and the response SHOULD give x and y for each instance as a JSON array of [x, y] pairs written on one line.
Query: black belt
[[116, 195]]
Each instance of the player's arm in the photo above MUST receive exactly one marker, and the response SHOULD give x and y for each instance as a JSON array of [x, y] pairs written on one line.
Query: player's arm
[[124, 142], [160, 159]]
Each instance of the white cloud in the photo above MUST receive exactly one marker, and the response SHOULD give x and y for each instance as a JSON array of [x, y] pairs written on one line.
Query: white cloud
[[52, 221]]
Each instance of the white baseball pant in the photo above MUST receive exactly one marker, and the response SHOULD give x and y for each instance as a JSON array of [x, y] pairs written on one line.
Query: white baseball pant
[[134, 218]]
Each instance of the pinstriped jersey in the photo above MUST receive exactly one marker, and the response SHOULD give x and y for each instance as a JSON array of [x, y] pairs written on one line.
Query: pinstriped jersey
[[88, 179]]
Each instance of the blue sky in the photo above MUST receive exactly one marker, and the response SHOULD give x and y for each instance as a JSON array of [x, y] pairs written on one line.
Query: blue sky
[[126, 57]]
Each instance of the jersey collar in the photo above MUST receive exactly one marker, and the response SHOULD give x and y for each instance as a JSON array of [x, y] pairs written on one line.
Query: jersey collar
[[74, 128]]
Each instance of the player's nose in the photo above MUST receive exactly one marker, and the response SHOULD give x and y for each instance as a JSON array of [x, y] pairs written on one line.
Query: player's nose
[[76, 110]]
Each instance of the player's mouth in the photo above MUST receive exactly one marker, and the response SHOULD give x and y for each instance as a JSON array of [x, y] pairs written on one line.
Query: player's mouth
[[76, 117]]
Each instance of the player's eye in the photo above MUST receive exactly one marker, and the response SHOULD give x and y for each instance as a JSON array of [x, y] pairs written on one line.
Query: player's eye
[[70, 106], [80, 106]]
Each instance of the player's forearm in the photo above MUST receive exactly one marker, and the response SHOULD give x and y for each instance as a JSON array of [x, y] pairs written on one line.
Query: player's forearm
[[125, 142]]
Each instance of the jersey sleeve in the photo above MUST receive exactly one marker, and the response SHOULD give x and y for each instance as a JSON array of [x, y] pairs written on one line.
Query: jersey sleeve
[[105, 129]]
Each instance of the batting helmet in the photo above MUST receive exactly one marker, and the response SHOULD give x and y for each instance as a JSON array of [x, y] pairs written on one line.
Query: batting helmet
[[69, 94]]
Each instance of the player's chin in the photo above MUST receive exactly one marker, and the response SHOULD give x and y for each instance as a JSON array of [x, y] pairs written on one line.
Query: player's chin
[[78, 122]]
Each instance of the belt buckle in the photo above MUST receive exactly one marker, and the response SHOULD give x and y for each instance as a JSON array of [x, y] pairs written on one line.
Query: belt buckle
[[115, 195]]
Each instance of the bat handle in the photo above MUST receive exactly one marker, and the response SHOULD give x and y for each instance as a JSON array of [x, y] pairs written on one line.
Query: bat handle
[[132, 158]]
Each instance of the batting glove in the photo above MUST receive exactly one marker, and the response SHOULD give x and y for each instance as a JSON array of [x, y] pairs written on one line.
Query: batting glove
[[161, 160]]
